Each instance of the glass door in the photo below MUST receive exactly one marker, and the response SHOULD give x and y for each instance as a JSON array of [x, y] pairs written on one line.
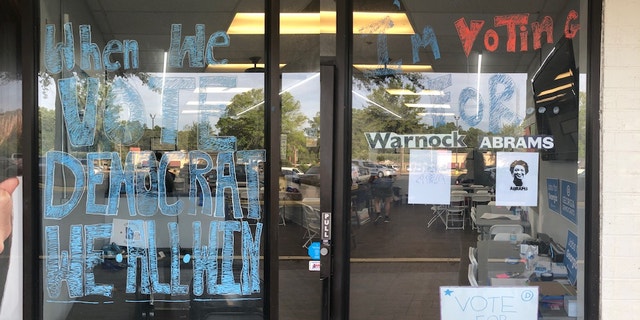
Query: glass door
[[459, 110]]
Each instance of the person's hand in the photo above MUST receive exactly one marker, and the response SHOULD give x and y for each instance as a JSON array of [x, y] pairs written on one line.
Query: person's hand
[[6, 208]]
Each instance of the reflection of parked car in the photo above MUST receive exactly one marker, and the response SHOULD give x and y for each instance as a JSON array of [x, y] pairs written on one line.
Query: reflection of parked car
[[311, 177], [488, 178], [359, 174], [384, 171], [373, 168], [291, 174]]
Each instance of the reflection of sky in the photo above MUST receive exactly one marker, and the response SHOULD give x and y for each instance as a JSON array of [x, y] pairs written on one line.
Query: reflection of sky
[[10, 95]]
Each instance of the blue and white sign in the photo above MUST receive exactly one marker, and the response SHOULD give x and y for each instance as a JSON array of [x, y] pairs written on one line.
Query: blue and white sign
[[553, 197], [314, 250], [487, 303], [571, 257], [569, 200]]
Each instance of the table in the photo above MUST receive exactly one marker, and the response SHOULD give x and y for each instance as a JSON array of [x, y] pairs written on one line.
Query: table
[[484, 225], [491, 259]]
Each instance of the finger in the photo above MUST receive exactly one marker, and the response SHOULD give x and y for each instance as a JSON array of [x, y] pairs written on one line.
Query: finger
[[9, 185], [6, 216]]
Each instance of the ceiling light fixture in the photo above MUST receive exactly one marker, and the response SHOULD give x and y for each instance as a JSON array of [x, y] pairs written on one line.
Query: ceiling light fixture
[[428, 105], [321, 22], [407, 92], [394, 67]]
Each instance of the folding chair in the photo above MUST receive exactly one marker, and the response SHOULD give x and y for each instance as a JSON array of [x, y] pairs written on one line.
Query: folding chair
[[472, 275], [311, 223], [439, 212]]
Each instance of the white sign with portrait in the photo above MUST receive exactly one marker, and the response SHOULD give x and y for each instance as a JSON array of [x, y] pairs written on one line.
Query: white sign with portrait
[[517, 178]]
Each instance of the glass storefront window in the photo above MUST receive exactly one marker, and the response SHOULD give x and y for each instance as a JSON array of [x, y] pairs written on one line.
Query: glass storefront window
[[151, 160], [479, 110]]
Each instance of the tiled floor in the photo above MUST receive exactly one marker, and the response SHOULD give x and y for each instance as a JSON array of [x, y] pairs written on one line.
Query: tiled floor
[[396, 271]]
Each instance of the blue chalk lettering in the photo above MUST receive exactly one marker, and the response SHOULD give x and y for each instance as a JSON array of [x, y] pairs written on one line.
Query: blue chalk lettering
[[156, 285], [228, 285], [428, 38], [499, 112], [123, 99], [205, 259], [223, 182], [171, 103], [95, 178], [167, 209], [51, 210], [198, 184], [113, 46], [250, 259], [207, 141], [88, 50], [176, 287], [80, 130], [62, 265], [132, 49], [142, 254], [217, 39], [94, 258], [56, 53], [251, 159], [147, 196], [117, 176], [192, 45], [466, 95]]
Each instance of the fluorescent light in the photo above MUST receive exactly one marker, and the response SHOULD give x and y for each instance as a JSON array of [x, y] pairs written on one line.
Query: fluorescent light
[[222, 90], [407, 92], [191, 111], [281, 92], [478, 84], [376, 104], [564, 75], [557, 96], [208, 103], [394, 67], [556, 89], [322, 22], [235, 67], [422, 114], [428, 105]]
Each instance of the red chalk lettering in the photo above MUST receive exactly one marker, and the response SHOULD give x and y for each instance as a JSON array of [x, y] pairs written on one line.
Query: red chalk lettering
[[538, 28], [468, 34], [491, 40], [570, 30], [511, 21]]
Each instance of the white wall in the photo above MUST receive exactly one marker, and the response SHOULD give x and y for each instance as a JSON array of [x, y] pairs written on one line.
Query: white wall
[[620, 154]]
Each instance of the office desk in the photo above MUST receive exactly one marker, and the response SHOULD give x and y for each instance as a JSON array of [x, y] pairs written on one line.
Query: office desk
[[491, 259]]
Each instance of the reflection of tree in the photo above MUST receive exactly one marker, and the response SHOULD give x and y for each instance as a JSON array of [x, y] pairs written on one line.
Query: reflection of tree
[[244, 119], [387, 112]]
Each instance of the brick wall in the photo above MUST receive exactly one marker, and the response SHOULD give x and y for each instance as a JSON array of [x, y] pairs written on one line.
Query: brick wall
[[620, 156]]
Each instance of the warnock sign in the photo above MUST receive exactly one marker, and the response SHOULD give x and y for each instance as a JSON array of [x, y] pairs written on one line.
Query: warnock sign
[[391, 140]]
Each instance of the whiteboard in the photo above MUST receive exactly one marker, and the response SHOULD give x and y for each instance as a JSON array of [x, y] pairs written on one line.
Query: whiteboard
[[429, 177]]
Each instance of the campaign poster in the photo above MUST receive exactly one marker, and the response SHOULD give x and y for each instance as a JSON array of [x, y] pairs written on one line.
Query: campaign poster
[[517, 179], [553, 196], [569, 200], [430, 177]]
